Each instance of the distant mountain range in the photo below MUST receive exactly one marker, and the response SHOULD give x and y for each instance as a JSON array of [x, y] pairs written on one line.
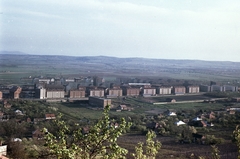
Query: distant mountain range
[[115, 62]]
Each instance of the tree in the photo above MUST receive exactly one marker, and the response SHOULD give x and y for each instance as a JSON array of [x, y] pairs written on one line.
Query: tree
[[151, 148], [99, 141], [236, 138]]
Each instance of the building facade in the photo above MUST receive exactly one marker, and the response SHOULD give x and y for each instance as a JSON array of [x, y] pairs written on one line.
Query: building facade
[[148, 91], [40, 93], [228, 88], [99, 102], [15, 92], [114, 92], [205, 88], [178, 90], [77, 93], [55, 92], [128, 91], [164, 90], [96, 93], [216, 88], [193, 89]]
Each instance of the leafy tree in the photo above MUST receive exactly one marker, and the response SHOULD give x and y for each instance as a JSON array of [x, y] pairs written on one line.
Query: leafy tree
[[236, 136], [151, 148], [215, 152], [100, 141]]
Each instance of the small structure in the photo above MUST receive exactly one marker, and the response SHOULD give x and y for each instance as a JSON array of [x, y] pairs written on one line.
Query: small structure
[[3, 150], [124, 107], [197, 119], [50, 116], [171, 100], [18, 112], [172, 114], [178, 123]]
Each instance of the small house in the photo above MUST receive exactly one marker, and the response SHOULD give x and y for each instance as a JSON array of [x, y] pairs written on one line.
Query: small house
[[50, 116], [178, 123]]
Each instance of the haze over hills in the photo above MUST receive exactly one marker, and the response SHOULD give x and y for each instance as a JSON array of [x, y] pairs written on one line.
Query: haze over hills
[[115, 61], [25, 65]]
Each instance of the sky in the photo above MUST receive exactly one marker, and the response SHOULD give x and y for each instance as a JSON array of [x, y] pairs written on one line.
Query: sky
[[162, 29]]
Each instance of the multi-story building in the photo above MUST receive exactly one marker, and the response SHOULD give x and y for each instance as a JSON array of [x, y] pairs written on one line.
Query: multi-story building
[[128, 91], [148, 91], [78, 93], [114, 92], [40, 93], [164, 90], [15, 92], [216, 88], [205, 88], [228, 88], [95, 92], [193, 89], [55, 91], [100, 102], [177, 90]]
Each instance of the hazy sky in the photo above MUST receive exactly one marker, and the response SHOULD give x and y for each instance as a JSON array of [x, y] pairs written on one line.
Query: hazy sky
[[168, 29]]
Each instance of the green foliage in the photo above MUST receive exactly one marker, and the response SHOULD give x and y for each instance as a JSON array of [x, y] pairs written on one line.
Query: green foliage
[[236, 136], [99, 142], [212, 140], [215, 152], [151, 148]]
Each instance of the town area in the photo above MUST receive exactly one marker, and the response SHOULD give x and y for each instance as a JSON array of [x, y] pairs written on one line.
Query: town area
[[188, 115]]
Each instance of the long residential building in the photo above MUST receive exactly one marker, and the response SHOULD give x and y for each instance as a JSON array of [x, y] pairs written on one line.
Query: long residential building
[[55, 91], [94, 92], [99, 102], [177, 90], [164, 90], [193, 89], [114, 92], [148, 91], [128, 91]]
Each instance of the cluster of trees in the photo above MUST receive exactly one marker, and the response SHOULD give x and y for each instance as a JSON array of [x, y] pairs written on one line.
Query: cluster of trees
[[65, 139], [101, 142]]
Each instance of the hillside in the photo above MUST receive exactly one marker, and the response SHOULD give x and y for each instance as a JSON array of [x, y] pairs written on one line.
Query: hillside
[[52, 65]]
